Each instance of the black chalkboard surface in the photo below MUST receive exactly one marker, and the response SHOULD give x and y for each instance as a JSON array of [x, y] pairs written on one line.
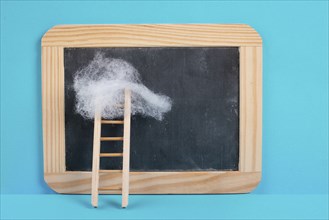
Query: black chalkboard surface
[[201, 132]]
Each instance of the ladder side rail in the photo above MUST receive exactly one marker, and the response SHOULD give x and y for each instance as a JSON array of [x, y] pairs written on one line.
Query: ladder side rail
[[126, 148], [96, 159]]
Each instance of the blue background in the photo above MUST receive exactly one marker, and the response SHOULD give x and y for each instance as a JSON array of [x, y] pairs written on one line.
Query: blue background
[[295, 105]]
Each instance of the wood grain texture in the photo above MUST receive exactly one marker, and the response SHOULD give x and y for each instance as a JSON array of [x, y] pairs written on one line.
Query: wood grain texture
[[242, 36], [152, 35], [159, 182], [53, 109], [250, 109]]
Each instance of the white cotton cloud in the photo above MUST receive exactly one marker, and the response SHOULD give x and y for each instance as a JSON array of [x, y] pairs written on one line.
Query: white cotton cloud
[[100, 85]]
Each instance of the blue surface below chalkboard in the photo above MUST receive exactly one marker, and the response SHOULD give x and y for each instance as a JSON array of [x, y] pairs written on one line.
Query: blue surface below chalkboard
[[167, 207]]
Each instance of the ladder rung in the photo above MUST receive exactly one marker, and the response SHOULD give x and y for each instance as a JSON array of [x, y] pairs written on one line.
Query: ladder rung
[[109, 188], [118, 122], [111, 154], [110, 171], [111, 138]]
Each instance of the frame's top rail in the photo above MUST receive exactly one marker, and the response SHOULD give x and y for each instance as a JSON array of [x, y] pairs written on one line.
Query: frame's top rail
[[152, 35]]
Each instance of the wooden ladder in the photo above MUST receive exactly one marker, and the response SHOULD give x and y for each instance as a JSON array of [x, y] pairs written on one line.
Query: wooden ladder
[[126, 153]]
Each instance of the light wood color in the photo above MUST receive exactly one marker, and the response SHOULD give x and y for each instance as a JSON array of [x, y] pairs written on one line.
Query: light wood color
[[111, 138], [214, 35], [111, 154], [126, 154], [250, 109], [112, 122], [158, 182], [152, 35], [96, 158], [126, 148], [110, 171], [110, 188], [53, 109]]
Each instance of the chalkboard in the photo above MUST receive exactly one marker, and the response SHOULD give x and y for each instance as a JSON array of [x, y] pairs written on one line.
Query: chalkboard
[[200, 133], [211, 141]]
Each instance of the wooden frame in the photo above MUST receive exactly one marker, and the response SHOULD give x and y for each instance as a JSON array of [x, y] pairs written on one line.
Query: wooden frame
[[188, 35]]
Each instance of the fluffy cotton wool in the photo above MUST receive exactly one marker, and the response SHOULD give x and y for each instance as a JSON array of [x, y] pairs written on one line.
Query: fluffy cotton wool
[[100, 85]]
